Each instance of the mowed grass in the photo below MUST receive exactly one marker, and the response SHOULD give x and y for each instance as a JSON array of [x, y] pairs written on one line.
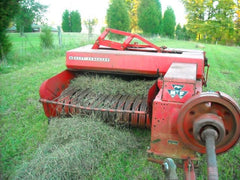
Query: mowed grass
[[25, 132]]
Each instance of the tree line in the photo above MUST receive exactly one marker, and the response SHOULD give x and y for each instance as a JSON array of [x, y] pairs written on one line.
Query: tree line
[[131, 15], [141, 16], [215, 21]]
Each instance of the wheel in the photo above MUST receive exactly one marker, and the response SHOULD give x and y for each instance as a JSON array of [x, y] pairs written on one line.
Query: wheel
[[218, 105]]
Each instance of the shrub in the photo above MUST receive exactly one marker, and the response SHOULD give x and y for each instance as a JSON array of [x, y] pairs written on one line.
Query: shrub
[[46, 37]]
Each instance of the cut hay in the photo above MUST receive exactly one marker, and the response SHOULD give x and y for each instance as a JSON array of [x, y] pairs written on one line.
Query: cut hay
[[75, 148], [114, 85]]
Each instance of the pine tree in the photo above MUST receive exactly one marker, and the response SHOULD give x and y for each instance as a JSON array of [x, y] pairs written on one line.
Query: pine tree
[[118, 16], [150, 16], [75, 21], [169, 23], [179, 32], [66, 26]]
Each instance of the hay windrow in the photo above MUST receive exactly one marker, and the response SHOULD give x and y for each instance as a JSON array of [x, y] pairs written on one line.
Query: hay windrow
[[114, 85], [75, 148]]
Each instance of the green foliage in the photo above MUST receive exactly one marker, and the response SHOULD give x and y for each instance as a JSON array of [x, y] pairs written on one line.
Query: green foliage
[[5, 46], [133, 7], [102, 29], [179, 32], [182, 33], [90, 23], [118, 17], [237, 23], [46, 37], [75, 21], [66, 25], [169, 23], [211, 21], [150, 16], [8, 8], [30, 12], [71, 21]]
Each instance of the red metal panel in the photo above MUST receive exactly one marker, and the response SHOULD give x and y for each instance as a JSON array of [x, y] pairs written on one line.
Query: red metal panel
[[165, 140], [147, 63], [179, 82], [52, 88]]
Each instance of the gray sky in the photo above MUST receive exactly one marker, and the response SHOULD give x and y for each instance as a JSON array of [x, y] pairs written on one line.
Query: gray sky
[[97, 9]]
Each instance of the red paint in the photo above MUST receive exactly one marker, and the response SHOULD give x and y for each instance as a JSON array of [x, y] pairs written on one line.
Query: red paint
[[189, 172], [169, 99]]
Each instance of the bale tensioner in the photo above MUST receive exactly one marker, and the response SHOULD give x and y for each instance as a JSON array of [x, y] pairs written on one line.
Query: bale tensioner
[[183, 119]]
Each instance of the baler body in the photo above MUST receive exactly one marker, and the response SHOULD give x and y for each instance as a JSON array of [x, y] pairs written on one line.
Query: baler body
[[173, 104]]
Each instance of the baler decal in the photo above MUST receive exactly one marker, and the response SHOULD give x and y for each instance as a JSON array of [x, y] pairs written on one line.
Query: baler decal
[[177, 91], [98, 59]]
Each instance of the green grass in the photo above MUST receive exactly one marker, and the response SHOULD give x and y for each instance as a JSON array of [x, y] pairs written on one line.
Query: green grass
[[26, 50], [79, 152], [24, 128]]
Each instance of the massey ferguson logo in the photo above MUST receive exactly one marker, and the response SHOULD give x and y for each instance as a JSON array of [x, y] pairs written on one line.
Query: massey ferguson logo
[[96, 59], [177, 91]]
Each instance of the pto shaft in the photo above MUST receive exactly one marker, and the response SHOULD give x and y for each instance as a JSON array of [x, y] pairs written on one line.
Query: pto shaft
[[209, 130], [210, 135]]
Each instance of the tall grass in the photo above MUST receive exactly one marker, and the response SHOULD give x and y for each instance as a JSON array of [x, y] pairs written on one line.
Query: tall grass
[[23, 124]]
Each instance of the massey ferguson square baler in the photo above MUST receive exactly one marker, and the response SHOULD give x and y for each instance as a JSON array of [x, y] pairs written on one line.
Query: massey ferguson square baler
[[184, 120]]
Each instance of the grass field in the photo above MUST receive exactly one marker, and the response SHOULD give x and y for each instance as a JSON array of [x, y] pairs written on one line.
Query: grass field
[[25, 133]]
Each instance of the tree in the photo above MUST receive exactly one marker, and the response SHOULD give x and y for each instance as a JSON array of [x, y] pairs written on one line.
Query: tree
[[187, 34], [133, 7], [195, 16], [211, 20], [8, 9], [118, 16], [71, 21], [90, 23], [179, 33], [169, 22], [150, 16], [237, 23], [30, 11], [75, 20], [182, 33], [66, 26]]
